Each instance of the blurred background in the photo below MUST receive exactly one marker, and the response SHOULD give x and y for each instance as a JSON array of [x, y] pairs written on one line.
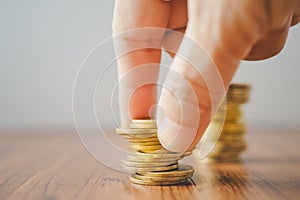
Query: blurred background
[[42, 44]]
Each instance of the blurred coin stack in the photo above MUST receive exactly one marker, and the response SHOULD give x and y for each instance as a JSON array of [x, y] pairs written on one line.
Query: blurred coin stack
[[150, 163], [231, 142]]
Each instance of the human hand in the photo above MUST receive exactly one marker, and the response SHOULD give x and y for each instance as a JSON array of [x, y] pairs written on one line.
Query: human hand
[[228, 30]]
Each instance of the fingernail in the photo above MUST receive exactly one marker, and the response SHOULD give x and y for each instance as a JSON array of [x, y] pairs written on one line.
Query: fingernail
[[175, 137]]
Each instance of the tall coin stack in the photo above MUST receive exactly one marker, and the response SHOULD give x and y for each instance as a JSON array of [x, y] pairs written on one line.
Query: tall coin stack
[[231, 142], [150, 163]]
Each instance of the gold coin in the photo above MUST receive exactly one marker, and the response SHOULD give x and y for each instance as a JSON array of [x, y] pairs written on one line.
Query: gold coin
[[226, 154], [238, 91], [142, 126], [233, 128], [230, 109], [147, 139], [228, 114], [229, 106], [142, 143], [146, 148], [158, 154], [161, 153], [183, 170], [150, 169], [232, 144], [240, 100], [155, 155], [231, 137], [226, 118], [136, 180], [143, 121], [228, 159], [132, 131], [239, 86], [165, 151], [216, 160], [163, 178], [147, 164], [149, 159], [235, 96], [146, 144], [221, 146], [231, 116], [139, 136]]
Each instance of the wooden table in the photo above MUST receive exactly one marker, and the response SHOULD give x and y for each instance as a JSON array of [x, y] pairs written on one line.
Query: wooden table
[[57, 166]]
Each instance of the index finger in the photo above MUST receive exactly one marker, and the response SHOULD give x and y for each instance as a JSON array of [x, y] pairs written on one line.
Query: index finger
[[129, 15]]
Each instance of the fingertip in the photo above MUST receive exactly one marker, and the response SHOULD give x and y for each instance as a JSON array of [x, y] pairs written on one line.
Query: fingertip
[[142, 101]]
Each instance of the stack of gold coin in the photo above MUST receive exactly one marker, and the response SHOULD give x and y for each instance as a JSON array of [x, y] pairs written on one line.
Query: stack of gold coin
[[150, 163], [231, 142]]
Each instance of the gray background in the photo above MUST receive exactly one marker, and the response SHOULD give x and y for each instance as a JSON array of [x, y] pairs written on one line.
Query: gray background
[[42, 44]]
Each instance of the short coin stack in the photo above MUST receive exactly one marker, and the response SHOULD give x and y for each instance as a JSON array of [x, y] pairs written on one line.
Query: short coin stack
[[150, 163], [231, 142]]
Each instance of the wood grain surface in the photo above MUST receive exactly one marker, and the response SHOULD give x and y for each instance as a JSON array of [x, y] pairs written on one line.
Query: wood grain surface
[[57, 166]]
